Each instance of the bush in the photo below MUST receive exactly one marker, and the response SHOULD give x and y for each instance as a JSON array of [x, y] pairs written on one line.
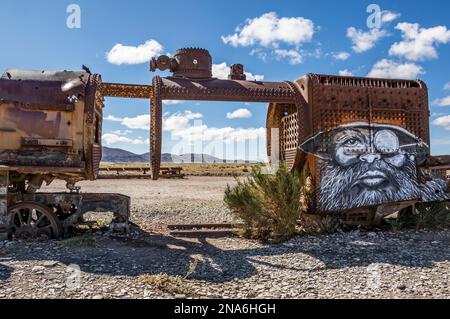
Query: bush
[[269, 205], [425, 216]]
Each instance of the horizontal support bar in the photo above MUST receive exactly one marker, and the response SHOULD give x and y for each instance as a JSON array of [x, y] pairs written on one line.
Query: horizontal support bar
[[126, 90]]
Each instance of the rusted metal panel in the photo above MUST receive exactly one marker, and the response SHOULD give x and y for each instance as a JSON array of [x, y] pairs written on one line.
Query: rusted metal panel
[[156, 127], [225, 90], [438, 161], [126, 90], [47, 122], [31, 141], [41, 89]]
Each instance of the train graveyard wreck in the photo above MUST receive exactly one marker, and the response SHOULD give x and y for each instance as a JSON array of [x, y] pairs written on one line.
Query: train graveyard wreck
[[363, 142]]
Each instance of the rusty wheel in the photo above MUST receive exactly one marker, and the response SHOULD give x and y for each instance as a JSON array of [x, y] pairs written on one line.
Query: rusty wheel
[[33, 220]]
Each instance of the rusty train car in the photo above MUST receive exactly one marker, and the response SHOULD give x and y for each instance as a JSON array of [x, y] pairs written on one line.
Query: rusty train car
[[363, 143], [50, 128]]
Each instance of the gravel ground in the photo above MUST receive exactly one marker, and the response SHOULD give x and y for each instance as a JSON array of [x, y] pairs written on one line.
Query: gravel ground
[[359, 264]]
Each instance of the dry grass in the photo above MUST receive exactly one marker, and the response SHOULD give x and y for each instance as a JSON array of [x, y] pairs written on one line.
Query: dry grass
[[86, 240], [166, 283]]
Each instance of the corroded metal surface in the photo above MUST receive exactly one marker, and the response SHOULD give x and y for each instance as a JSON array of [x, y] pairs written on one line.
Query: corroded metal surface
[[192, 63], [442, 161], [70, 207], [156, 127], [50, 124], [226, 90], [126, 90]]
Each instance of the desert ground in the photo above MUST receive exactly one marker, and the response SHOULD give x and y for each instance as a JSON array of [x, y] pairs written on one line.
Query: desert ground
[[150, 263]]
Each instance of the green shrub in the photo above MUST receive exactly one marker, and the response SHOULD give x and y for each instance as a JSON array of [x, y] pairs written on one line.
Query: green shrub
[[269, 205], [425, 216]]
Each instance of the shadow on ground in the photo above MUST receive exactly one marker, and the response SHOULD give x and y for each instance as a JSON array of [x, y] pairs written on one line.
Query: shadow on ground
[[151, 253]]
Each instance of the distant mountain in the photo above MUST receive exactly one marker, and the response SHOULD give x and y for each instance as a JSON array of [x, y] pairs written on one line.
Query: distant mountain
[[187, 158], [117, 155]]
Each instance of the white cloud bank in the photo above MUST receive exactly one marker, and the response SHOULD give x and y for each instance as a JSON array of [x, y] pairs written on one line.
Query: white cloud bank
[[443, 121], [186, 126], [365, 40], [239, 114], [392, 70], [293, 56], [111, 138], [342, 56], [123, 54], [419, 43], [345, 72], [445, 101], [269, 30]]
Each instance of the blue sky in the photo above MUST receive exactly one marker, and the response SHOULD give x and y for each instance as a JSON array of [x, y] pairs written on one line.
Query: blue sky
[[329, 37]]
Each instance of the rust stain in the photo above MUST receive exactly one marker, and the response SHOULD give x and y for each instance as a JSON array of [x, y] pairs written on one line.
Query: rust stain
[[35, 123]]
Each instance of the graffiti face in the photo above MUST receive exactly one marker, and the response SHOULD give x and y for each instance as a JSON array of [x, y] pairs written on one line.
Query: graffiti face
[[366, 165]]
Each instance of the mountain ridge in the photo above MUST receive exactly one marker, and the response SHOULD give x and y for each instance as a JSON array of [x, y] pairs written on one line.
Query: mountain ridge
[[118, 155]]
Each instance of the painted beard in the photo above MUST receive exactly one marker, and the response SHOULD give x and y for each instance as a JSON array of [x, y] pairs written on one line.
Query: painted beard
[[366, 184]]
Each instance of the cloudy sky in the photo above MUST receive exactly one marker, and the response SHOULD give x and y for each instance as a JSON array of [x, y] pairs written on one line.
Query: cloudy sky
[[275, 40]]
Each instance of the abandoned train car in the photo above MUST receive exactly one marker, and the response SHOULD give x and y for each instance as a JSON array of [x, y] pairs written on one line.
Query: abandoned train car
[[363, 143], [50, 128]]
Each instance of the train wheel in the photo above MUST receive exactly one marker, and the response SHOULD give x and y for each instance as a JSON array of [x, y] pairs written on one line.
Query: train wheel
[[32, 220]]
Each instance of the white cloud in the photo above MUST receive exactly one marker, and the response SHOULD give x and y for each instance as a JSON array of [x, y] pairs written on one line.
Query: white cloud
[[222, 70], [239, 114], [419, 43], [141, 122], [294, 56], [269, 30], [442, 102], [122, 132], [122, 54], [179, 121], [111, 138], [181, 126], [447, 86], [173, 102], [443, 121], [389, 16], [345, 72], [365, 40], [341, 55], [225, 134], [392, 70]]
